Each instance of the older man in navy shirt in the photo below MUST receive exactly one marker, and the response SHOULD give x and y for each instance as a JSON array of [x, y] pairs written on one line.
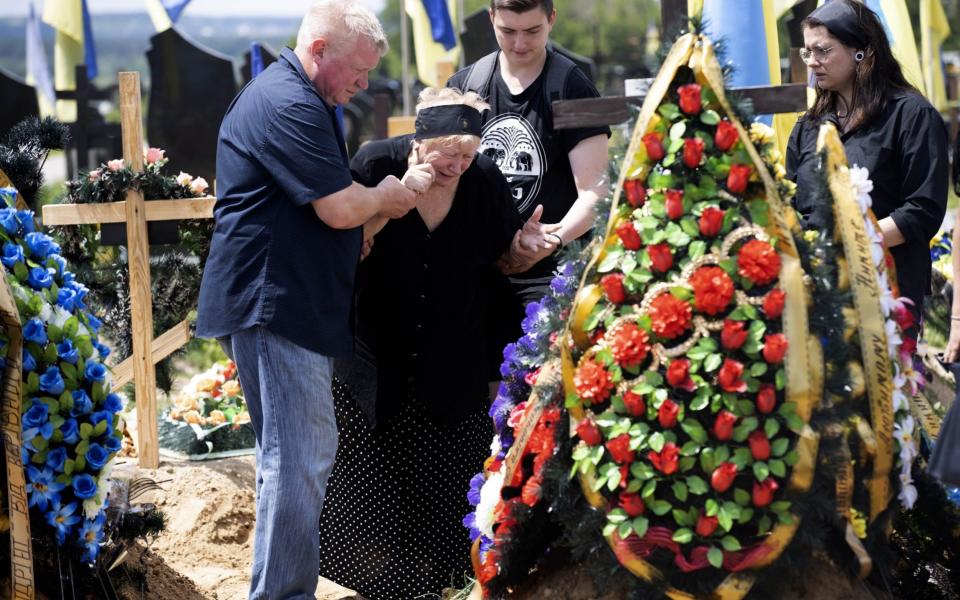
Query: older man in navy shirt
[[278, 285]]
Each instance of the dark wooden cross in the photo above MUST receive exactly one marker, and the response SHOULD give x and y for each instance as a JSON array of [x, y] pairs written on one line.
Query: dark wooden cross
[[611, 110]]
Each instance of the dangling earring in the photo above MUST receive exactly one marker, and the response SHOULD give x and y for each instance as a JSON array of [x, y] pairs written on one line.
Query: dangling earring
[[858, 56]]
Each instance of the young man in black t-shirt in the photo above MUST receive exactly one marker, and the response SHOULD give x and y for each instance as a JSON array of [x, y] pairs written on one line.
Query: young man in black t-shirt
[[564, 172]]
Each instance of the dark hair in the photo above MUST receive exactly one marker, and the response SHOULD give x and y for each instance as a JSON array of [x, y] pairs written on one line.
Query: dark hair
[[876, 77], [522, 6]]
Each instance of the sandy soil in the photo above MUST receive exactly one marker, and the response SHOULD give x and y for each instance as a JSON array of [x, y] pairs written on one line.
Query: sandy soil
[[206, 550]]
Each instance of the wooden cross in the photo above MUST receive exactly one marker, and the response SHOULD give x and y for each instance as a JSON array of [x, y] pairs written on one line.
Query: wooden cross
[[135, 213]]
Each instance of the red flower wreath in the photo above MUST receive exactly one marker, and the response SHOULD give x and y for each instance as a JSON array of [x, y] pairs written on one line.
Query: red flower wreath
[[712, 290], [758, 262], [669, 316]]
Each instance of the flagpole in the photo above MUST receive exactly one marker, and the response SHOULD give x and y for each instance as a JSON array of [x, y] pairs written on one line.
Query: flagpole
[[460, 27], [405, 57]]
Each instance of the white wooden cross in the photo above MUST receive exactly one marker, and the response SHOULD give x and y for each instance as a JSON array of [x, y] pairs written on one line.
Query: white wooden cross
[[147, 351]]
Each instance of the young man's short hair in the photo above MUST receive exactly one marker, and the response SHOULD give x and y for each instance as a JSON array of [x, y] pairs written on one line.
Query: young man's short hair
[[521, 6]]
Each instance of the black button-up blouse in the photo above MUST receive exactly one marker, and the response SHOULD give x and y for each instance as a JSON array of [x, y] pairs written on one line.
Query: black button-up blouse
[[905, 150]]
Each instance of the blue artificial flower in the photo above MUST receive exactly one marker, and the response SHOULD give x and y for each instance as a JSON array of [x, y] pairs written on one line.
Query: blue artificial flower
[[93, 322], [97, 456], [84, 486], [90, 536], [112, 444], [70, 431], [36, 417], [8, 220], [113, 403], [51, 381], [12, 254], [56, 458], [102, 350], [59, 264], [43, 487], [69, 277], [470, 522], [39, 278], [29, 362], [79, 290], [82, 404], [509, 355], [95, 372], [34, 331], [41, 245], [476, 483], [26, 220], [103, 415], [67, 298], [67, 352], [62, 519]]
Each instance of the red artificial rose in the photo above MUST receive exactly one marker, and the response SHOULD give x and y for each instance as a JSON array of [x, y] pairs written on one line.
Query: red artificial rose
[[612, 284], [730, 375], [706, 525], [734, 334], [636, 193], [723, 476], [738, 178], [630, 344], [759, 445], [588, 432], [661, 258], [669, 316], [619, 449], [712, 290], [634, 404], [711, 221], [628, 235], [774, 347], [766, 398], [773, 303], [668, 460], [674, 204], [667, 413], [763, 492], [726, 136], [690, 102], [593, 382], [723, 425], [759, 262], [632, 504], [678, 373], [692, 152], [903, 316], [654, 146]]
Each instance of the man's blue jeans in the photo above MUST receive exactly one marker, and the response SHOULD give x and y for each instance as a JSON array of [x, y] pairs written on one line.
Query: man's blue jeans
[[287, 390]]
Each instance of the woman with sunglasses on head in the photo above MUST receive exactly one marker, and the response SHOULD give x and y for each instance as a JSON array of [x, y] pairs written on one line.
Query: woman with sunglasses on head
[[886, 126]]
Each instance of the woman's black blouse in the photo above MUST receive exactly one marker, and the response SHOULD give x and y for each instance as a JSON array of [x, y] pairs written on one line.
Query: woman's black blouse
[[420, 305], [905, 150]]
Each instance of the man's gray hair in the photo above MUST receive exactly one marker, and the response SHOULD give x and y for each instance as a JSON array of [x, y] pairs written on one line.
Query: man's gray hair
[[340, 21]]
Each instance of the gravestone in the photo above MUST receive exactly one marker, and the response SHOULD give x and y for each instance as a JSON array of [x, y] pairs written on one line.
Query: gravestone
[[267, 54], [478, 40], [190, 89], [19, 101]]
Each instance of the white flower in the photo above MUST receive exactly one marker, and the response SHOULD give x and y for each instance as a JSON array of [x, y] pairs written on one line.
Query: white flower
[[199, 186], [900, 402], [862, 186], [495, 446], [94, 175], [489, 498], [893, 337], [903, 431], [908, 493], [46, 313], [184, 179], [887, 302], [115, 164], [154, 155]]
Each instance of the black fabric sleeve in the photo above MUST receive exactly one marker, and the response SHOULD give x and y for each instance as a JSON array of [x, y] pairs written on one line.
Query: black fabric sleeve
[[793, 151], [924, 171], [577, 87]]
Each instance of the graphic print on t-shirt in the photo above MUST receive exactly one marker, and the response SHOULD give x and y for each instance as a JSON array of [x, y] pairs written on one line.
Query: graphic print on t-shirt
[[511, 142]]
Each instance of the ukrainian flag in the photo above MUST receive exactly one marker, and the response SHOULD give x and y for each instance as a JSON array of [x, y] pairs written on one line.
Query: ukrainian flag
[[748, 31], [935, 29], [433, 33], [73, 46]]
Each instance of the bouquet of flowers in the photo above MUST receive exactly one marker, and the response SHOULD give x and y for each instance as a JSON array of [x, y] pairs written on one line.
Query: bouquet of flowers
[[212, 399]]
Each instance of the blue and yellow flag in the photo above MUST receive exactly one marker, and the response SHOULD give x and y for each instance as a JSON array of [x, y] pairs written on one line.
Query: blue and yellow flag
[[72, 24], [426, 49], [748, 31], [896, 22], [38, 70], [934, 29]]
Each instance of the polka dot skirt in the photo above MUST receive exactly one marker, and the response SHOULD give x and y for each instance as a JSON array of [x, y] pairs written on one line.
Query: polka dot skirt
[[391, 527]]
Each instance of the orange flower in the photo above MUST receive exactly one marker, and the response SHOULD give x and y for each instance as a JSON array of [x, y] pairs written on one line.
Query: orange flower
[[593, 382], [758, 262], [670, 316], [712, 290], [630, 345]]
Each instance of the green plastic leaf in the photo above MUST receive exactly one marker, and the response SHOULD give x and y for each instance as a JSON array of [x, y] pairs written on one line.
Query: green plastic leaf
[[625, 529], [669, 111], [609, 262], [649, 488], [656, 441], [695, 430], [779, 447], [711, 507], [760, 470], [661, 507], [701, 400], [640, 525], [677, 130], [682, 536], [68, 466], [680, 491], [713, 362], [715, 556], [741, 496], [770, 427], [725, 519], [697, 485], [778, 468], [80, 463], [730, 543], [709, 117], [85, 430]]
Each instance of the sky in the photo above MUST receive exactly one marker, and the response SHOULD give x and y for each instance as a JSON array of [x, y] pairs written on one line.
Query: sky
[[223, 8]]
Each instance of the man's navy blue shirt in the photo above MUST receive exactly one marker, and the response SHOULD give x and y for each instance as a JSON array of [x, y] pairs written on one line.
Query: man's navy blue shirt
[[273, 262]]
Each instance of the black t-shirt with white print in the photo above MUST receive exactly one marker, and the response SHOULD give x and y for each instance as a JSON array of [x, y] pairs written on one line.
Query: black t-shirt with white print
[[518, 135]]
